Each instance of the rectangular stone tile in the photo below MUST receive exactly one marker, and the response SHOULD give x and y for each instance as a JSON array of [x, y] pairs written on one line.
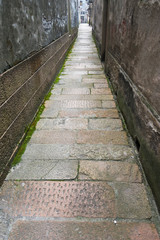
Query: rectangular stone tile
[[70, 78], [93, 65], [46, 152], [98, 76], [74, 72], [61, 123], [73, 104], [76, 91], [76, 123], [83, 65], [83, 68], [49, 113], [81, 97], [101, 86], [67, 80], [99, 113], [132, 201], [58, 199], [85, 51], [101, 152], [96, 72], [85, 60], [56, 91], [44, 169], [73, 230], [109, 171], [108, 104], [101, 91], [102, 137], [53, 137], [74, 85], [106, 124], [95, 80]]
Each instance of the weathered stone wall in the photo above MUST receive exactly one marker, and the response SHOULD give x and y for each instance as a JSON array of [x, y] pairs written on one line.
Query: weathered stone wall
[[27, 27], [133, 64], [74, 13], [97, 21]]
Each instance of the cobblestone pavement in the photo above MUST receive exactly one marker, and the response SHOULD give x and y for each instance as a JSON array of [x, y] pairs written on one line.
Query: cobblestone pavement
[[79, 177]]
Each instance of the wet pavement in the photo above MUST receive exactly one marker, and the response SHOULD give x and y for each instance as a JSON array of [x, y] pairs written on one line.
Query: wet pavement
[[79, 177]]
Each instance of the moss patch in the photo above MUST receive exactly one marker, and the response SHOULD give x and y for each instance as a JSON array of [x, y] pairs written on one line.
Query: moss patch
[[28, 134], [32, 127]]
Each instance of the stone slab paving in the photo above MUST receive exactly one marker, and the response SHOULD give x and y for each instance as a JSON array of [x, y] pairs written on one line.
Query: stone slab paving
[[79, 176], [60, 230]]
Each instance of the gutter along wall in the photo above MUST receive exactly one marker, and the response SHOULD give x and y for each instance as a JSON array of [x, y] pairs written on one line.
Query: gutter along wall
[[132, 62], [24, 86]]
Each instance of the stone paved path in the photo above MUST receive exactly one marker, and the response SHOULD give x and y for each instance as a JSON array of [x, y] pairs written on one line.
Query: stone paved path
[[78, 178]]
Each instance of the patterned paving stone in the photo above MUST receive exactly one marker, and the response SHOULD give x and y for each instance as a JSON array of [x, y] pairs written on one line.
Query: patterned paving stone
[[102, 137], [71, 230], [132, 201], [109, 171], [100, 113], [106, 124], [58, 199], [101, 152], [61, 123], [76, 91], [53, 137], [44, 170]]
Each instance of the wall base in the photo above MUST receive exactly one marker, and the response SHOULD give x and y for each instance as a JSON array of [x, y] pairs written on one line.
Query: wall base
[[23, 89], [141, 120]]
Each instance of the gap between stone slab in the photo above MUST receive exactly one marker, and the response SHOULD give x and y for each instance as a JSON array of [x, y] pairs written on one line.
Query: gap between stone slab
[[82, 219]]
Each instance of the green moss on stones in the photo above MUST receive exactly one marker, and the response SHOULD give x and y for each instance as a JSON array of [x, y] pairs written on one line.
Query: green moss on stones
[[32, 127], [28, 134]]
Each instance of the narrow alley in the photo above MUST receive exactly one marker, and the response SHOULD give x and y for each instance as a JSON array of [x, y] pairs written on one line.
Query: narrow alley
[[79, 177]]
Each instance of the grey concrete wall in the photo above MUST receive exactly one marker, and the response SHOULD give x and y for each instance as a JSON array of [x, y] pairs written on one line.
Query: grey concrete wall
[[23, 86], [133, 64]]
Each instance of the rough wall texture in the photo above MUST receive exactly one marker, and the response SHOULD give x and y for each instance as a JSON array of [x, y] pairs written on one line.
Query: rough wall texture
[[97, 22], [133, 64], [74, 13], [27, 26], [23, 87]]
